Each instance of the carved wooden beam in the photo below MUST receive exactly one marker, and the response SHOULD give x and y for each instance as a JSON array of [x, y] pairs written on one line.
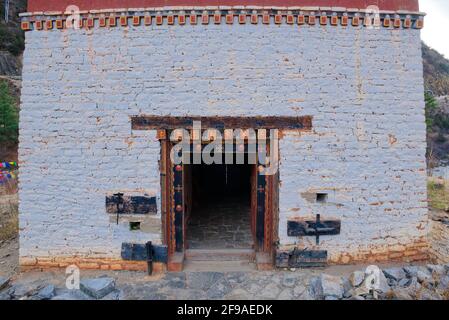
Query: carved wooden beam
[[171, 123]]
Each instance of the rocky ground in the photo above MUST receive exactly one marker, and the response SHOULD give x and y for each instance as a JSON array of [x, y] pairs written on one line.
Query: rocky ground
[[9, 257], [430, 282]]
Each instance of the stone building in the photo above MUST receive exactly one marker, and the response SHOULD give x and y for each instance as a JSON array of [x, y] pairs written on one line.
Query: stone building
[[331, 90]]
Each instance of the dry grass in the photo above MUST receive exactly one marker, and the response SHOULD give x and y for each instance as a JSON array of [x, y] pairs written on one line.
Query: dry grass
[[9, 212], [438, 192], [9, 222]]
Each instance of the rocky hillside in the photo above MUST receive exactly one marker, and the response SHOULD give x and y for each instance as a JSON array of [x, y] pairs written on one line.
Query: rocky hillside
[[436, 72], [11, 39], [438, 131], [436, 75]]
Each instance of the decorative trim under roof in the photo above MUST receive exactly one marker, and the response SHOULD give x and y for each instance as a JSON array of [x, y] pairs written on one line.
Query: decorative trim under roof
[[217, 15], [60, 5]]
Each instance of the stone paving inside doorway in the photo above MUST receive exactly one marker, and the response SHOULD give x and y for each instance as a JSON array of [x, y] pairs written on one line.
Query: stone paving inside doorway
[[221, 224]]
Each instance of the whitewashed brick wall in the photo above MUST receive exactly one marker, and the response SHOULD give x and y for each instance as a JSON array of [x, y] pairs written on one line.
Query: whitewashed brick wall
[[364, 89]]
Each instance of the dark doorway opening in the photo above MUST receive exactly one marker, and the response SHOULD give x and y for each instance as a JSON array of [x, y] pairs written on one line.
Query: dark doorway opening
[[219, 216]]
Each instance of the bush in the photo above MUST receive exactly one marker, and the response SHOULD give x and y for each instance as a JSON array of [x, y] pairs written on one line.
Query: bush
[[441, 120], [431, 107], [9, 116], [438, 192]]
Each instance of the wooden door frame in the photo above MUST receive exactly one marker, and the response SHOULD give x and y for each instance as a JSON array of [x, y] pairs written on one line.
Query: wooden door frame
[[172, 203]]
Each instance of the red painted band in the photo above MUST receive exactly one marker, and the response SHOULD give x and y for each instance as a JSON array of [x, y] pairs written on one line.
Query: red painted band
[[61, 5]]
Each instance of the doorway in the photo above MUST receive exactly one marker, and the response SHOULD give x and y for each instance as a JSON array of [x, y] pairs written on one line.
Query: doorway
[[219, 216], [217, 212]]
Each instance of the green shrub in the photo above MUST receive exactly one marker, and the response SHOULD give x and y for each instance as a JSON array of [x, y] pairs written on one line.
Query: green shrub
[[431, 107], [9, 116], [11, 40], [441, 120]]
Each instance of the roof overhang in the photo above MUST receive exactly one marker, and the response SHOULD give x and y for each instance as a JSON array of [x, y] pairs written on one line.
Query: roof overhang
[[61, 5]]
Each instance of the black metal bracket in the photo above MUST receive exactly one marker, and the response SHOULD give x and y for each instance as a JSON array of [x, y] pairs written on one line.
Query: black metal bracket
[[149, 248], [118, 197], [145, 252], [315, 228], [120, 204]]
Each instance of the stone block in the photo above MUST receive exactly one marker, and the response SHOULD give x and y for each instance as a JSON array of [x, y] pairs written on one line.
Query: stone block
[[97, 287]]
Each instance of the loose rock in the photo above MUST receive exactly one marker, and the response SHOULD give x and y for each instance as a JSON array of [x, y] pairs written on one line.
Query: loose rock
[[97, 288], [396, 274], [382, 285], [414, 287], [47, 292], [24, 290], [443, 284], [423, 276], [404, 282], [356, 278], [436, 269]]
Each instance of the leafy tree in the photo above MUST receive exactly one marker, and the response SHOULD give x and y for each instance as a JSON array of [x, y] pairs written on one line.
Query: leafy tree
[[9, 116]]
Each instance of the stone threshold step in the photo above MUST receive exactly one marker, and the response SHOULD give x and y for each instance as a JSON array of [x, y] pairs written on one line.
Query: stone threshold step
[[244, 255]]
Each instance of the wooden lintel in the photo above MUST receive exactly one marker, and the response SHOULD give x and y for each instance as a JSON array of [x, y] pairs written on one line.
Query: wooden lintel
[[171, 123]]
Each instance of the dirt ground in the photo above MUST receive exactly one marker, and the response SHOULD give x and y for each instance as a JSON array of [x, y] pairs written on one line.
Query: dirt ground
[[9, 239], [9, 257]]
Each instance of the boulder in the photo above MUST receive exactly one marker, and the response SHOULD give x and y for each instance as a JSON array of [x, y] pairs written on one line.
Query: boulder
[[97, 287], [24, 290], [47, 292], [424, 276], [383, 284], [356, 278], [446, 268], [443, 283], [404, 282], [412, 271], [361, 291], [395, 274], [436, 269], [347, 287]]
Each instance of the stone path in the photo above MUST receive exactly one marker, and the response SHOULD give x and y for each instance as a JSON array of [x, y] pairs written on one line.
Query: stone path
[[407, 283], [183, 285]]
